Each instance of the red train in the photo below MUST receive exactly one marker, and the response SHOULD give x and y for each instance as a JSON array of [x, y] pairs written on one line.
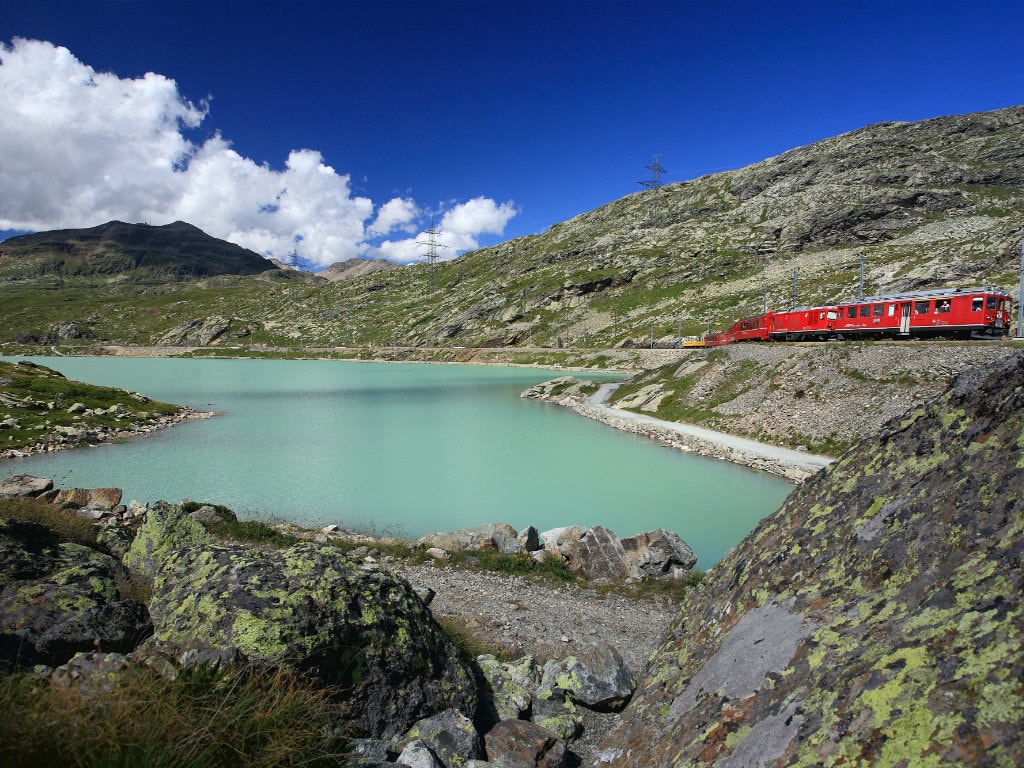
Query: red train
[[963, 313]]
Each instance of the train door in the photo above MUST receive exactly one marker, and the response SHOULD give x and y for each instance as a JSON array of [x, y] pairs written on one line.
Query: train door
[[905, 317]]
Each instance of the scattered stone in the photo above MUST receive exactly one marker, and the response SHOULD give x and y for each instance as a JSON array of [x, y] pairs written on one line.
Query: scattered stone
[[522, 744], [497, 537], [450, 736]]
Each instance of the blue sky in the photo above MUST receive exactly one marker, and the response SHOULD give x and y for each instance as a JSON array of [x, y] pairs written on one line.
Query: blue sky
[[334, 129]]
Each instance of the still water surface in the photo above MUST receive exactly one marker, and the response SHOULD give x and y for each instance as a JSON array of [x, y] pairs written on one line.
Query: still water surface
[[402, 449]]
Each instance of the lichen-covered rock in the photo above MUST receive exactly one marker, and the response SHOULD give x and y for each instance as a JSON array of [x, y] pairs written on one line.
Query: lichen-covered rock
[[313, 608], [55, 598], [167, 529], [876, 619], [598, 678], [115, 627], [553, 708], [450, 736], [507, 687]]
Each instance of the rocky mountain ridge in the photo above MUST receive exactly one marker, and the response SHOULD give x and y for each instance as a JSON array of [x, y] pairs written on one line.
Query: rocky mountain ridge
[[173, 251]]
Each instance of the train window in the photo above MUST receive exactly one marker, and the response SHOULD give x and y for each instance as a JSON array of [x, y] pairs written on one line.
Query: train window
[[865, 311], [851, 311], [976, 304], [878, 310], [991, 303], [942, 306], [920, 307], [892, 310], [833, 314]]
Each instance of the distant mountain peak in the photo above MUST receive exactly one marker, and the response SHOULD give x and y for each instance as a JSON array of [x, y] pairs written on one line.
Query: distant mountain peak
[[177, 249]]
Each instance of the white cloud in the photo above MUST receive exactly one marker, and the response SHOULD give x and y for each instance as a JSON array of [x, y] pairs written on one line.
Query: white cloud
[[478, 216], [79, 147], [398, 213]]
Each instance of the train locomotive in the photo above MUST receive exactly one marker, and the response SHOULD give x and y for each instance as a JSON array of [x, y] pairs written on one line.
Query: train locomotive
[[963, 313]]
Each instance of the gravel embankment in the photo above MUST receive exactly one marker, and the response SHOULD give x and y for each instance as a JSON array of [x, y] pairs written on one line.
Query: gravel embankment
[[522, 616]]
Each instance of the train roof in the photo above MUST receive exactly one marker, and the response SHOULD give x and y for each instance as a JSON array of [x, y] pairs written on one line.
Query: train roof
[[929, 294]]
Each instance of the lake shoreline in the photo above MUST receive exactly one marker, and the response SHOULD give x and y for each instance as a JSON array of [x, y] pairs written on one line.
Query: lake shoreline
[[94, 438]]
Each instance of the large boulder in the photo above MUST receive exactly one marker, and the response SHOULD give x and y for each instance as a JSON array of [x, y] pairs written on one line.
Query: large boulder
[[598, 678], [597, 555], [659, 554], [313, 609], [876, 619], [24, 486]]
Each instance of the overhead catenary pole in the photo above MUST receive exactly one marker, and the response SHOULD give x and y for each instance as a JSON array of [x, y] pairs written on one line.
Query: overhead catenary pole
[[1020, 297], [860, 294], [794, 290]]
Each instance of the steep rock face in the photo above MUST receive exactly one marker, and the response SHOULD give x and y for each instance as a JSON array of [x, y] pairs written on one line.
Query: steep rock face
[[875, 619]]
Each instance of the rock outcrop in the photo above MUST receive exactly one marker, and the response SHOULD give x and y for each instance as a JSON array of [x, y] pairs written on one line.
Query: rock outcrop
[[875, 619]]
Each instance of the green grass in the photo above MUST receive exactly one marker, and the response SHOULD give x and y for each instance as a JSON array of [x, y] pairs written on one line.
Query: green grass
[[518, 564], [204, 717], [39, 400]]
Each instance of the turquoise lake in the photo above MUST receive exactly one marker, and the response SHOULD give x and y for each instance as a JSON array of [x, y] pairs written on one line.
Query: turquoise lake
[[402, 449]]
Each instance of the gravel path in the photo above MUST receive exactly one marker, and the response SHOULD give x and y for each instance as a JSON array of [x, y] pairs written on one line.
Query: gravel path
[[751, 447]]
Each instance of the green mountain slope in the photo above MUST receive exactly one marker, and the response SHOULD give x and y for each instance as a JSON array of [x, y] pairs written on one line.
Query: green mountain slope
[[927, 204]]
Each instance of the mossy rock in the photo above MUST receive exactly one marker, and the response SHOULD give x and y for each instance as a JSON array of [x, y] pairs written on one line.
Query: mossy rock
[[312, 609], [875, 619]]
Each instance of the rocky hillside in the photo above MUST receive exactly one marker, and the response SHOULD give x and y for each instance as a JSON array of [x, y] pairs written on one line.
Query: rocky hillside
[[927, 204], [820, 397], [875, 619]]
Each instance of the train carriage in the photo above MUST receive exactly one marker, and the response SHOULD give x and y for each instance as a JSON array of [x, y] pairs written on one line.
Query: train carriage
[[982, 312]]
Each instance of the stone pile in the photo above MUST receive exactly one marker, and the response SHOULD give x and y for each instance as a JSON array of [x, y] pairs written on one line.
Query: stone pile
[[595, 553]]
